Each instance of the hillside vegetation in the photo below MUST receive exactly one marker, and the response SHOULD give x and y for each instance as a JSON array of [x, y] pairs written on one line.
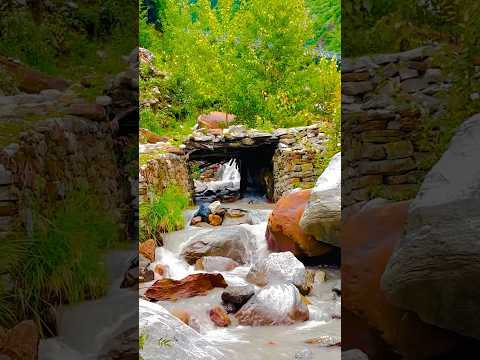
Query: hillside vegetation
[[272, 63]]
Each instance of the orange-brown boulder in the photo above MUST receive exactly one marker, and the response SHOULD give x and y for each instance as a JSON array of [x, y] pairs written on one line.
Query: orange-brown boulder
[[368, 240], [21, 342], [215, 120], [192, 285], [219, 316], [147, 249], [214, 220], [146, 136], [284, 232]]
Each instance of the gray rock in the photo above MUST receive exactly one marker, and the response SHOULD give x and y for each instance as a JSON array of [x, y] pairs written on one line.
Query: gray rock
[[434, 269], [234, 297], [357, 88], [276, 268], [354, 354], [274, 305], [321, 217], [234, 242], [180, 342]]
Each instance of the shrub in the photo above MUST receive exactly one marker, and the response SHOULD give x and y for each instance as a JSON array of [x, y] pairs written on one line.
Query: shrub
[[254, 59]]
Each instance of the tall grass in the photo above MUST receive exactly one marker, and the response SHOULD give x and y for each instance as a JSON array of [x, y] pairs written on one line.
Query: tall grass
[[163, 212], [62, 261]]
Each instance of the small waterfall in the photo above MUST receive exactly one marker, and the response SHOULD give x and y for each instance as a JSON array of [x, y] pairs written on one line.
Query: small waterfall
[[228, 180]]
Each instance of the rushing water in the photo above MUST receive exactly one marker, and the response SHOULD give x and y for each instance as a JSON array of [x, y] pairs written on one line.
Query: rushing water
[[261, 342], [84, 329]]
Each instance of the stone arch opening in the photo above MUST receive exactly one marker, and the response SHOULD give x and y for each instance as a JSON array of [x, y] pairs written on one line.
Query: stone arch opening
[[254, 165]]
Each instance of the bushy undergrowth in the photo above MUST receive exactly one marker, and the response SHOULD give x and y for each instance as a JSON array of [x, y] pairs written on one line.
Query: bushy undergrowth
[[255, 59], [163, 212], [74, 43], [62, 261]]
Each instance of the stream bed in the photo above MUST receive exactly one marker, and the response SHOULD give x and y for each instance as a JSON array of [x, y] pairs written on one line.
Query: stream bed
[[237, 342]]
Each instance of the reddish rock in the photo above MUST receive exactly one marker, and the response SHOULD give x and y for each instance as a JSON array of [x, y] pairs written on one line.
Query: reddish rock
[[29, 80], [161, 270], [219, 317], [147, 249], [149, 137], [196, 220], [215, 120], [192, 285], [21, 342], [368, 239], [284, 232], [214, 220]]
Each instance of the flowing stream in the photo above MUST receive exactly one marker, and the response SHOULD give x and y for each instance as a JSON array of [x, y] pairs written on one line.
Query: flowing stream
[[247, 342], [85, 329]]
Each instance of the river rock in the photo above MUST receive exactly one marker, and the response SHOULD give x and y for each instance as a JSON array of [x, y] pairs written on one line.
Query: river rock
[[284, 232], [234, 242], [147, 249], [214, 207], [438, 260], [279, 268], [234, 297], [354, 354], [182, 315], [196, 220], [215, 120], [184, 342], [123, 346], [192, 285], [321, 217], [21, 342], [215, 263], [203, 211], [274, 305], [214, 220], [219, 317], [369, 238]]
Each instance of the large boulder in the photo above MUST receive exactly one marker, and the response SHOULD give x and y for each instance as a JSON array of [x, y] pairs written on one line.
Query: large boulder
[[274, 305], [215, 120], [284, 232], [234, 242], [321, 217], [179, 341], [192, 285], [278, 268], [436, 265], [368, 240]]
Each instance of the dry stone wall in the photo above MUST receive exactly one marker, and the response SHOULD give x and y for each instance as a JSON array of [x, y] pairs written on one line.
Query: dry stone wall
[[295, 162], [161, 170], [74, 150], [385, 101]]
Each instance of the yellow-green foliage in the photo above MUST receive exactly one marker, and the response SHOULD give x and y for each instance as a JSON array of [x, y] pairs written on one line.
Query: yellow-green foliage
[[251, 58], [163, 212]]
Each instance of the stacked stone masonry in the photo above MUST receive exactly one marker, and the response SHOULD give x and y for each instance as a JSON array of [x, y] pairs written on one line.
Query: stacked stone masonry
[[161, 170], [68, 145], [295, 162], [385, 100]]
